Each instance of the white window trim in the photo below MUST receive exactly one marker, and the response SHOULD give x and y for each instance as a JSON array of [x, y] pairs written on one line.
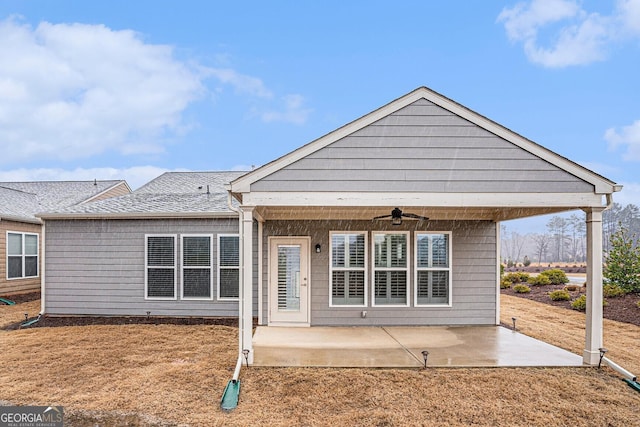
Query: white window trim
[[175, 267], [416, 269], [374, 268], [219, 267], [23, 255], [210, 267], [364, 270]]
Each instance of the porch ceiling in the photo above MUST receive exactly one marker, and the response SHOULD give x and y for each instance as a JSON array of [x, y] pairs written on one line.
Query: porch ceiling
[[369, 212]]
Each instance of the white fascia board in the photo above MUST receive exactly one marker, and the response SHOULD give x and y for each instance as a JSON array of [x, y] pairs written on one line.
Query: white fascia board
[[138, 215], [461, 200], [243, 184], [20, 219]]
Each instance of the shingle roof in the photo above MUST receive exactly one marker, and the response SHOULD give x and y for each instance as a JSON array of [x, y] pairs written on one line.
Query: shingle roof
[[23, 200], [180, 193], [18, 205]]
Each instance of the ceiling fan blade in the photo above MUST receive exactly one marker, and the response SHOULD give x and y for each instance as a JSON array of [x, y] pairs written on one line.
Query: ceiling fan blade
[[410, 215], [382, 217]]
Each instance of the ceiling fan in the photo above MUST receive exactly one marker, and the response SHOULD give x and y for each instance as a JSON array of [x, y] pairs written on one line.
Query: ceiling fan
[[397, 215]]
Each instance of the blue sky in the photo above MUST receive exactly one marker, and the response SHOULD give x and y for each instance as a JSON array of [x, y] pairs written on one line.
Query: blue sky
[[130, 89]]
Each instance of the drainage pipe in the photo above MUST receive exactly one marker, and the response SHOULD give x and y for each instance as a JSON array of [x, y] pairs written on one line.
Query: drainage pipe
[[619, 369]]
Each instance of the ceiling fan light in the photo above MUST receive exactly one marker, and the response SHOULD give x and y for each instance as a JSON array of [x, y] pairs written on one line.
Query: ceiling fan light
[[396, 217]]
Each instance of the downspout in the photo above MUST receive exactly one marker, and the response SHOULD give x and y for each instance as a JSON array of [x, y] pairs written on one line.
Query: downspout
[[231, 392], [629, 378], [42, 268]]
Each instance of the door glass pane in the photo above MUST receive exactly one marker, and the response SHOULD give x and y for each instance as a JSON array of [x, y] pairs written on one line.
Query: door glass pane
[[288, 278]]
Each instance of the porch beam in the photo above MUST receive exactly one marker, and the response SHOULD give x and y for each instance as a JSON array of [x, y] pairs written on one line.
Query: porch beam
[[593, 332], [433, 200]]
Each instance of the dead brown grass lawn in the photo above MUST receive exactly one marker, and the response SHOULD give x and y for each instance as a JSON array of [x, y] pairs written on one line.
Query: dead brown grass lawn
[[174, 375]]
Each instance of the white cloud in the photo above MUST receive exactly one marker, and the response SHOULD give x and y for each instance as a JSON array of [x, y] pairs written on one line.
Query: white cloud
[[135, 176], [293, 111], [628, 136], [577, 37], [73, 90], [240, 82]]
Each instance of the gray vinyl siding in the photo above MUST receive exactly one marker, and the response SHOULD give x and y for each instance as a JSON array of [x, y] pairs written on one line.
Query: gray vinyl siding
[[474, 281], [419, 148], [97, 267]]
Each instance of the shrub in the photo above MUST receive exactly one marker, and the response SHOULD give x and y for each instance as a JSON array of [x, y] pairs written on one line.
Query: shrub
[[509, 264], [638, 304], [524, 276], [556, 276], [521, 289], [580, 303], [539, 280], [512, 277], [526, 262], [505, 284], [612, 291], [560, 295]]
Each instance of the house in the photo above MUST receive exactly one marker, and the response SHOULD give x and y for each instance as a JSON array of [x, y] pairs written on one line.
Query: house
[[21, 232], [392, 219]]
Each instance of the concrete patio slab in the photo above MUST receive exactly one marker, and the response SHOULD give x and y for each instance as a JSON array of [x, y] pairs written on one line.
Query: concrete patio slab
[[402, 347]]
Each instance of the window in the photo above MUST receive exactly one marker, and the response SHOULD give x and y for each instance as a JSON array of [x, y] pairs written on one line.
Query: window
[[160, 267], [390, 270], [433, 269], [22, 255], [228, 266], [197, 280], [347, 272]]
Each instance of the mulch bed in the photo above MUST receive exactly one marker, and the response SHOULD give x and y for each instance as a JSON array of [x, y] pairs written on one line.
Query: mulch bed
[[55, 321], [622, 309]]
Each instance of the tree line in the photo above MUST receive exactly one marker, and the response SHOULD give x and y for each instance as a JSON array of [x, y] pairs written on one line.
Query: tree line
[[566, 237]]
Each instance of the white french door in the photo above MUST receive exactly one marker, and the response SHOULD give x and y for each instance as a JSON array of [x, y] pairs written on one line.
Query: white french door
[[289, 280]]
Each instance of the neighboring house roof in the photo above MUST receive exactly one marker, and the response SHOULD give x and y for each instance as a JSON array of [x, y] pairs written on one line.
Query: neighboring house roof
[[17, 205], [172, 194], [22, 201]]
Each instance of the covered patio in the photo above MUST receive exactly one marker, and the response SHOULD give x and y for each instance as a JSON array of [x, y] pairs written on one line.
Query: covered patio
[[402, 347]]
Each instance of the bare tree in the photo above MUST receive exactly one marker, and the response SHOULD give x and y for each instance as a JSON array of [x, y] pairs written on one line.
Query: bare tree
[[542, 245]]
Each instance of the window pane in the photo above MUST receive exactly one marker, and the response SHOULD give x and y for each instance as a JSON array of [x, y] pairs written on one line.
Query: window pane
[[390, 287], [14, 244], [433, 287], [440, 250], [196, 251], [348, 288], [160, 282], [30, 266], [14, 266], [229, 283], [197, 283], [391, 250], [160, 251], [30, 244], [229, 251], [348, 250]]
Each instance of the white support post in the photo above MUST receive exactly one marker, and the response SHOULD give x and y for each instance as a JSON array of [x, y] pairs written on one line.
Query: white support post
[[246, 300], [593, 339]]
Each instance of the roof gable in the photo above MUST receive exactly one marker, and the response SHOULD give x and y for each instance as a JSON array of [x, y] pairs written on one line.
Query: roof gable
[[425, 113]]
